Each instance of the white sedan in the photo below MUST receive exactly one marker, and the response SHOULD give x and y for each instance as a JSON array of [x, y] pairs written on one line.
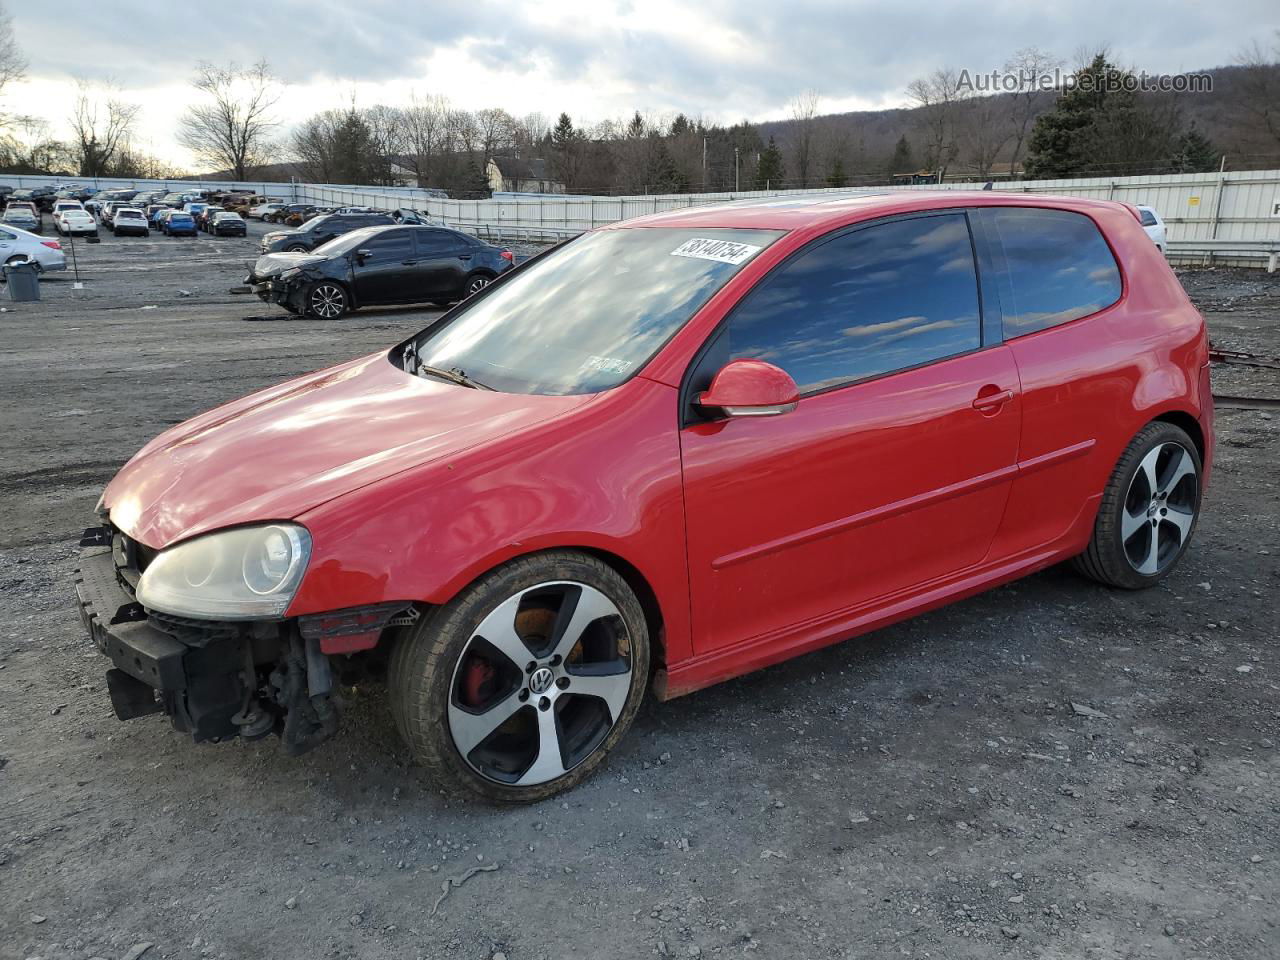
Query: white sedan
[[1153, 225], [17, 245], [79, 223]]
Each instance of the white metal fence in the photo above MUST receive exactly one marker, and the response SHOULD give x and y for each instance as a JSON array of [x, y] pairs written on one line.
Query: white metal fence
[[1197, 208]]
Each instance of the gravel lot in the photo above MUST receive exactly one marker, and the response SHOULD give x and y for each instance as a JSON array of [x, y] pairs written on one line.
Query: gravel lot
[[943, 788]]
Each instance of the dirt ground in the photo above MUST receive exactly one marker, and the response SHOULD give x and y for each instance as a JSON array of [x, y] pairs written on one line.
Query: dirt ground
[[927, 791]]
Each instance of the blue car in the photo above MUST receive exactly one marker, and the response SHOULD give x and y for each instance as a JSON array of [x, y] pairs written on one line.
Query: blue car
[[180, 225]]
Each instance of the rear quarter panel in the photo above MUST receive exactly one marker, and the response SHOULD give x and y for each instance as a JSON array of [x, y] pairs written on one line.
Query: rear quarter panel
[[1093, 384]]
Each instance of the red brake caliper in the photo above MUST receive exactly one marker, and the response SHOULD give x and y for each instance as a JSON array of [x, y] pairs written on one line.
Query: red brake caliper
[[477, 682]]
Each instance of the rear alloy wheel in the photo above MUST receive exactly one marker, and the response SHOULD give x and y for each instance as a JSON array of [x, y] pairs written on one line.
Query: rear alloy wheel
[[521, 686], [326, 300], [477, 283], [1148, 511]]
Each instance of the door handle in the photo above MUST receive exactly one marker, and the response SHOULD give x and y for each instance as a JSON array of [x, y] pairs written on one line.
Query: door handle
[[992, 401], [464, 256]]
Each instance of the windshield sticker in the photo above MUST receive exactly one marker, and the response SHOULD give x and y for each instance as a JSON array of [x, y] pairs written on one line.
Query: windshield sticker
[[607, 363], [722, 251]]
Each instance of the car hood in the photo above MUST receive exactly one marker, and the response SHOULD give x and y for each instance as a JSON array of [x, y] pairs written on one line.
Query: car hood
[[274, 264], [276, 454]]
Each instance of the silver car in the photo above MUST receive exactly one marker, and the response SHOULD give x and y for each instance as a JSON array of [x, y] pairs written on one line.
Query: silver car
[[17, 245]]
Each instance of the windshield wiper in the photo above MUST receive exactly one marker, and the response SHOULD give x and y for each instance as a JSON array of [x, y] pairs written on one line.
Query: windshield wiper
[[453, 375]]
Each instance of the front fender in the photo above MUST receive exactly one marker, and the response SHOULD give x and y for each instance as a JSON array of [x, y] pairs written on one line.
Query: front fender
[[604, 476]]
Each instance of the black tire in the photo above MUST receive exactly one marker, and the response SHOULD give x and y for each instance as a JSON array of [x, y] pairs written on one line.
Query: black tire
[[1128, 502], [475, 283], [425, 675], [295, 248], [327, 300]]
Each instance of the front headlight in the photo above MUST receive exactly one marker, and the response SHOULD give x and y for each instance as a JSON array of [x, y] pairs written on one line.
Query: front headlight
[[244, 574], [290, 273]]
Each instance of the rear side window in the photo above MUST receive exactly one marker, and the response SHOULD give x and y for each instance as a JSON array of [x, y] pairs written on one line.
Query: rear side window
[[1058, 268], [1148, 218], [879, 299], [438, 241]]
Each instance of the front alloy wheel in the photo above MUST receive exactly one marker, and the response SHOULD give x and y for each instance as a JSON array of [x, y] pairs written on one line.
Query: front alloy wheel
[[326, 300], [521, 686]]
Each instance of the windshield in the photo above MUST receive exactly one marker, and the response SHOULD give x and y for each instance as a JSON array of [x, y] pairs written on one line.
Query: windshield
[[314, 221], [587, 316], [342, 244]]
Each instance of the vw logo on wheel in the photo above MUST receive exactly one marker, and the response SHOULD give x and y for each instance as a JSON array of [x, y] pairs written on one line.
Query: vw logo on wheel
[[541, 680]]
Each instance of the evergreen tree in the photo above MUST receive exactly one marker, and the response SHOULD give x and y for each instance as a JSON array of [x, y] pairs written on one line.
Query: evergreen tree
[[563, 135], [1196, 153], [1099, 125], [902, 160], [836, 176], [769, 173]]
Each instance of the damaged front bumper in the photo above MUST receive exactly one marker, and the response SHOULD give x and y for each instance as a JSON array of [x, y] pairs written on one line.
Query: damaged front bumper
[[286, 293], [217, 680]]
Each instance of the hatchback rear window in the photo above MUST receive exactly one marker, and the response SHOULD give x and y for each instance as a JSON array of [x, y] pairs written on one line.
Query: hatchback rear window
[[1059, 268]]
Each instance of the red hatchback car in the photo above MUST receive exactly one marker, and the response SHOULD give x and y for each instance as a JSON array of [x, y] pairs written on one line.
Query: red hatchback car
[[663, 454]]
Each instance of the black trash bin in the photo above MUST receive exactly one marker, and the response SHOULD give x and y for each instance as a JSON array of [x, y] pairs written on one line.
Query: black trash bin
[[23, 279]]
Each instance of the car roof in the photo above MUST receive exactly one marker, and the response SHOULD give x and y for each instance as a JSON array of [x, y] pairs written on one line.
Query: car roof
[[827, 210]]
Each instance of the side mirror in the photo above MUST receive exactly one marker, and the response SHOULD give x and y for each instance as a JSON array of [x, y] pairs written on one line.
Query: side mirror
[[363, 255], [750, 388]]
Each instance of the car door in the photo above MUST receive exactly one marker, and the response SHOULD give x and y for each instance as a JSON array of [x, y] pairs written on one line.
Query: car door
[[893, 470], [383, 271], [442, 261]]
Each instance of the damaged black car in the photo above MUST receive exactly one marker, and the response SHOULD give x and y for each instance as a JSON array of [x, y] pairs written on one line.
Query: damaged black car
[[379, 266]]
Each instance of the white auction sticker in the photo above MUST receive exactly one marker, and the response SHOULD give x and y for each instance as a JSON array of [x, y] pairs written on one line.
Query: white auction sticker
[[723, 251]]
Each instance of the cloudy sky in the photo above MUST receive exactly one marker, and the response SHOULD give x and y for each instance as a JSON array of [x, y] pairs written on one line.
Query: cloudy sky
[[721, 59]]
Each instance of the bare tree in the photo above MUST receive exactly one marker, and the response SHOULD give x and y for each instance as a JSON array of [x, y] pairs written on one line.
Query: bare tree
[[938, 97], [426, 129], [803, 109], [231, 128], [982, 131], [100, 123], [1257, 107], [1028, 64], [388, 140], [13, 66], [496, 130]]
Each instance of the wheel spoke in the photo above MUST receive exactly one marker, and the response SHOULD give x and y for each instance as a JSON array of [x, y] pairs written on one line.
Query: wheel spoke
[[549, 763], [1131, 524], [589, 607], [469, 730], [1151, 563], [612, 688], [1181, 521], [1147, 468], [1182, 468], [499, 629]]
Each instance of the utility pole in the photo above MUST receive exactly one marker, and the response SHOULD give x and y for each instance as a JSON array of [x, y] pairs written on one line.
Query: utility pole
[[736, 182], [704, 164]]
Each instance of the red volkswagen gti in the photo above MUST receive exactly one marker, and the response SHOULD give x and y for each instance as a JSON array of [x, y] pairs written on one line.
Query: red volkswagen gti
[[668, 452]]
